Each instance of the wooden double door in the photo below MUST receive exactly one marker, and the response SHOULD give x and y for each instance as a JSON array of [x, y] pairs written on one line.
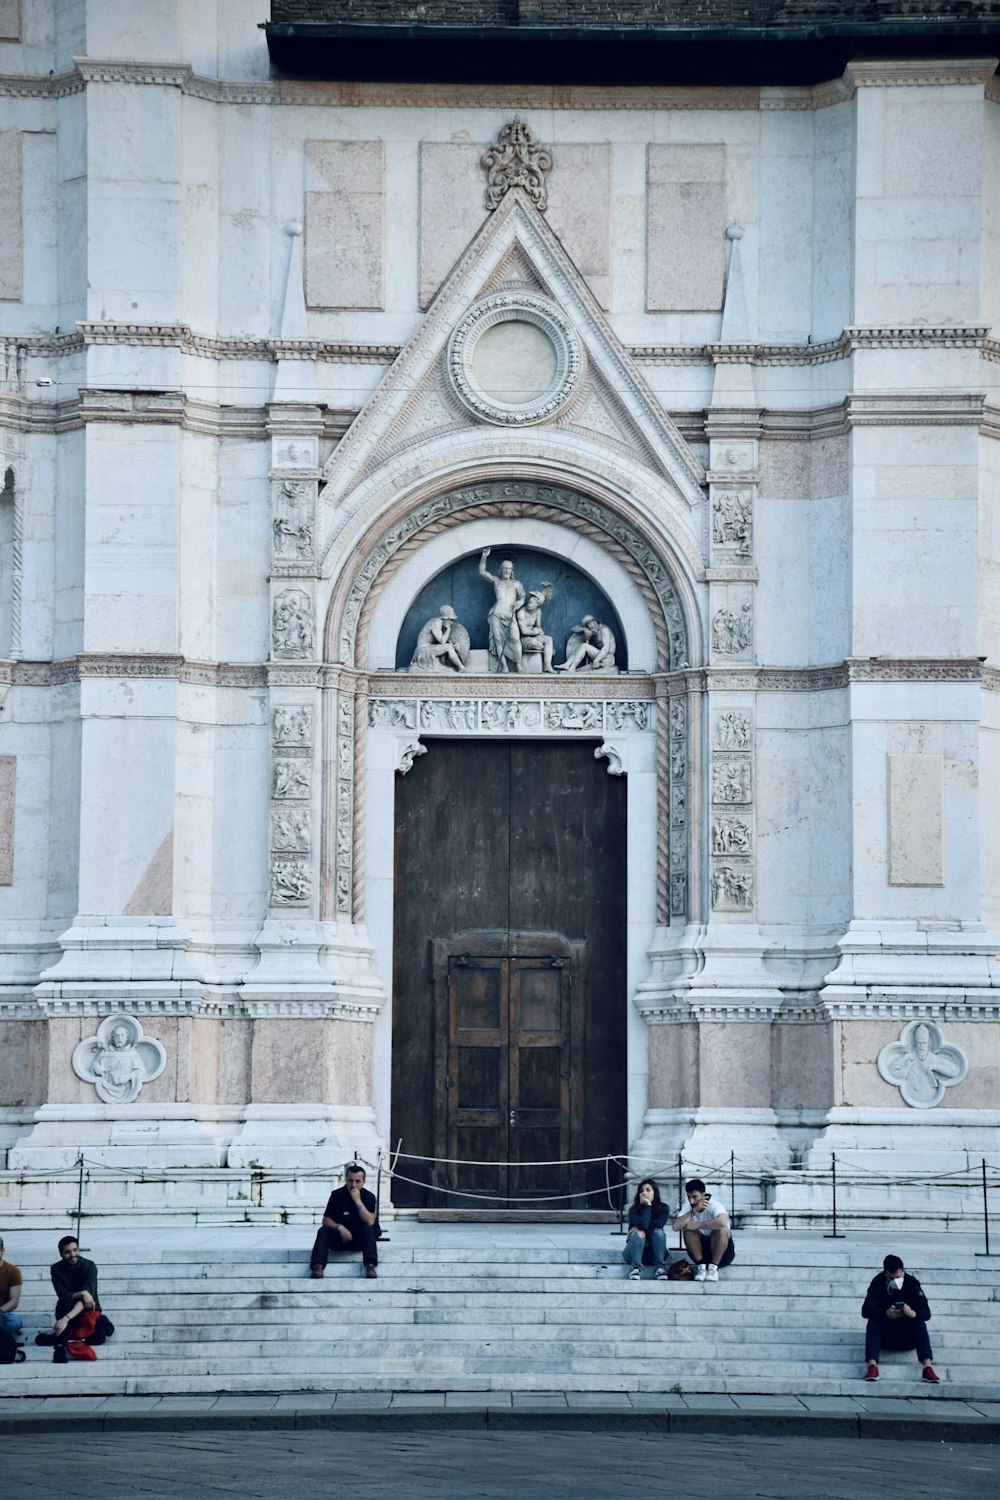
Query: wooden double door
[[509, 974]]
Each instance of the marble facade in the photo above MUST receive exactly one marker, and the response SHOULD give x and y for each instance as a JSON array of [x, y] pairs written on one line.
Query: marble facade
[[234, 448]]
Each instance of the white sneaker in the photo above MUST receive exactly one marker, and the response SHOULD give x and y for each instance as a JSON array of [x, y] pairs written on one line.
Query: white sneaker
[[635, 1274], [701, 1272], [712, 1274], [661, 1273]]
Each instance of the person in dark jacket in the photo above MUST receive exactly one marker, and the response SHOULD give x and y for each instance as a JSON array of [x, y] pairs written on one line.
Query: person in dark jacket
[[897, 1314], [75, 1283], [350, 1222], [647, 1238]]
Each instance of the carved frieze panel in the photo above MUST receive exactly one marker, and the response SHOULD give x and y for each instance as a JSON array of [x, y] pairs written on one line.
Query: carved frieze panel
[[292, 630], [732, 522], [732, 629], [731, 833], [293, 522], [290, 841]]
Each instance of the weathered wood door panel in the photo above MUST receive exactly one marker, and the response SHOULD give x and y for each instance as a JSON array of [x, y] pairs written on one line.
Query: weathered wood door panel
[[509, 959]]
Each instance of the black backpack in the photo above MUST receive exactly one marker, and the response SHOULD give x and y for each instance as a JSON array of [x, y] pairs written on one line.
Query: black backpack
[[11, 1352]]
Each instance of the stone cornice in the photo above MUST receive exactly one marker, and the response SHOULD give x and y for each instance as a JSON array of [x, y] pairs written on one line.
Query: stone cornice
[[403, 685], [176, 75], [910, 73], [333, 351], [928, 409]]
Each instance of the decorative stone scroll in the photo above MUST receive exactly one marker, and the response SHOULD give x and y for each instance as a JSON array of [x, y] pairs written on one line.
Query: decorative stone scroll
[[921, 1065], [516, 161], [118, 1059]]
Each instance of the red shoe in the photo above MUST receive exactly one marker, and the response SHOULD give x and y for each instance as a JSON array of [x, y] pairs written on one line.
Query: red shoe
[[931, 1375], [872, 1371]]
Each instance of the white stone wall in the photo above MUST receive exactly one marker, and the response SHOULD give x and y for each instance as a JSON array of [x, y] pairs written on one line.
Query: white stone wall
[[147, 280]]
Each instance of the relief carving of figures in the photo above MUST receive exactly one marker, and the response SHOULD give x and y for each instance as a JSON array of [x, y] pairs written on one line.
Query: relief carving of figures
[[290, 829], [732, 634], [921, 1065], [731, 781], [118, 1059], [629, 715], [574, 716], [290, 882], [292, 624], [293, 524], [442, 645], [516, 161], [678, 718], [732, 888], [732, 731], [292, 727], [392, 713], [291, 779], [730, 836], [590, 648], [501, 716], [732, 520]]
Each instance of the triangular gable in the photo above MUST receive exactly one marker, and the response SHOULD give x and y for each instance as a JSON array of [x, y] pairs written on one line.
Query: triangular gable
[[515, 247]]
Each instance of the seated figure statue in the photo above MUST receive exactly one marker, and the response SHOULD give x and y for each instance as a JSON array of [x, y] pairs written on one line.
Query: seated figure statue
[[591, 647], [442, 645]]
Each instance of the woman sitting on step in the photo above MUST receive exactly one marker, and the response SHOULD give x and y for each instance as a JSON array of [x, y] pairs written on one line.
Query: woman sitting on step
[[647, 1238]]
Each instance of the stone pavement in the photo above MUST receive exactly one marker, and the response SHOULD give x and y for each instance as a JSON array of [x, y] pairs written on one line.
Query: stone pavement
[[452, 1464]]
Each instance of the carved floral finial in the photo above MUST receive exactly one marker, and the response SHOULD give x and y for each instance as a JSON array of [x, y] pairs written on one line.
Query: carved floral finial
[[515, 161]]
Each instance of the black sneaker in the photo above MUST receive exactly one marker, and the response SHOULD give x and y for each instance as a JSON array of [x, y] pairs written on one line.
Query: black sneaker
[[59, 1355]]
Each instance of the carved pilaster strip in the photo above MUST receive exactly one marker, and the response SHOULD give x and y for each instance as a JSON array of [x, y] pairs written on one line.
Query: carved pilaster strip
[[358, 883], [344, 773], [664, 831]]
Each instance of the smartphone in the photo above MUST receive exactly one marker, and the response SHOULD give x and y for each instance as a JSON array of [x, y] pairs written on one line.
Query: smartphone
[[899, 1306]]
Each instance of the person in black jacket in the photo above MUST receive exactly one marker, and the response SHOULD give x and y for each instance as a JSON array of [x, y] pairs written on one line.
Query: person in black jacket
[[897, 1314], [75, 1283], [647, 1238], [350, 1222]]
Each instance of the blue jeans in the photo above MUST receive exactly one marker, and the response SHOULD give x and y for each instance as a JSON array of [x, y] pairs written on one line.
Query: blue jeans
[[11, 1321], [656, 1241]]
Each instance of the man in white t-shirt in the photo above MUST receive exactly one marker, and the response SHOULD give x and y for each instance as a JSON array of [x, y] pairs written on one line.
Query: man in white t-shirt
[[707, 1234]]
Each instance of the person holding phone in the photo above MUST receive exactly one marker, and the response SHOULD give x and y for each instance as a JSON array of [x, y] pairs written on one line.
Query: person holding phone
[[897, 1316], [647, 1237]]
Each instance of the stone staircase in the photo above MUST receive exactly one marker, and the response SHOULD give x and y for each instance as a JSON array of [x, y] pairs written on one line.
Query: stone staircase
[[453, 1311]]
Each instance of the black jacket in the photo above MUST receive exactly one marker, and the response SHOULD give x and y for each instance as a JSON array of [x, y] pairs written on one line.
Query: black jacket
[[68, 1280], [881, 1296]]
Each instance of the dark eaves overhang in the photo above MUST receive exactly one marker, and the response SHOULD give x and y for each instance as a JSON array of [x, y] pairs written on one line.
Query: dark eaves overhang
[[618, 57]]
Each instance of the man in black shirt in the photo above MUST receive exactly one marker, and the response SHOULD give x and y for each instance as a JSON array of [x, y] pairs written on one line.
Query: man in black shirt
[[897, 1315], [350, 1222], [75, 1283]]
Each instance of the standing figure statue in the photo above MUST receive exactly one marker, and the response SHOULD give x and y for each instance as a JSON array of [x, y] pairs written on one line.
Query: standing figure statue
[[534, 641], [505, 639], [442, 643], [591, 645]]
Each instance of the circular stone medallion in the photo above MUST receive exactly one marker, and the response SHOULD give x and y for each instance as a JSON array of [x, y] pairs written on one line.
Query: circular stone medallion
[[514, 359]]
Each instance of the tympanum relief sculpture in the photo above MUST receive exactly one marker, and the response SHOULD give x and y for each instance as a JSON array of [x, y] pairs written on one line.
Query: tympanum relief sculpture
[[118, 1059]]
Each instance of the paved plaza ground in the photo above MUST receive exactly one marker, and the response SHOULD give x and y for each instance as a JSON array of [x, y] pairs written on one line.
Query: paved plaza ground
[[457, 1465]]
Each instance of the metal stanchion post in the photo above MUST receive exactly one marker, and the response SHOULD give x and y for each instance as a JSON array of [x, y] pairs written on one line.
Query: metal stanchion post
[[834, 1235], [986, 1214], [680, 1198], [79, 1197], [732, 1184]]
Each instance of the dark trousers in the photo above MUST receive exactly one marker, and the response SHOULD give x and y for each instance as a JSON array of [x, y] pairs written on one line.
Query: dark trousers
[[63, 1306], [898, 1334], [704, 1248], [364, 1238]]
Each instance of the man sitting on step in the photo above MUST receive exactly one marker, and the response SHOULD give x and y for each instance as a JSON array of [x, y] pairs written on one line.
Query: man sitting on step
[[897, 1314], [350, 1222], [707, 1235]]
